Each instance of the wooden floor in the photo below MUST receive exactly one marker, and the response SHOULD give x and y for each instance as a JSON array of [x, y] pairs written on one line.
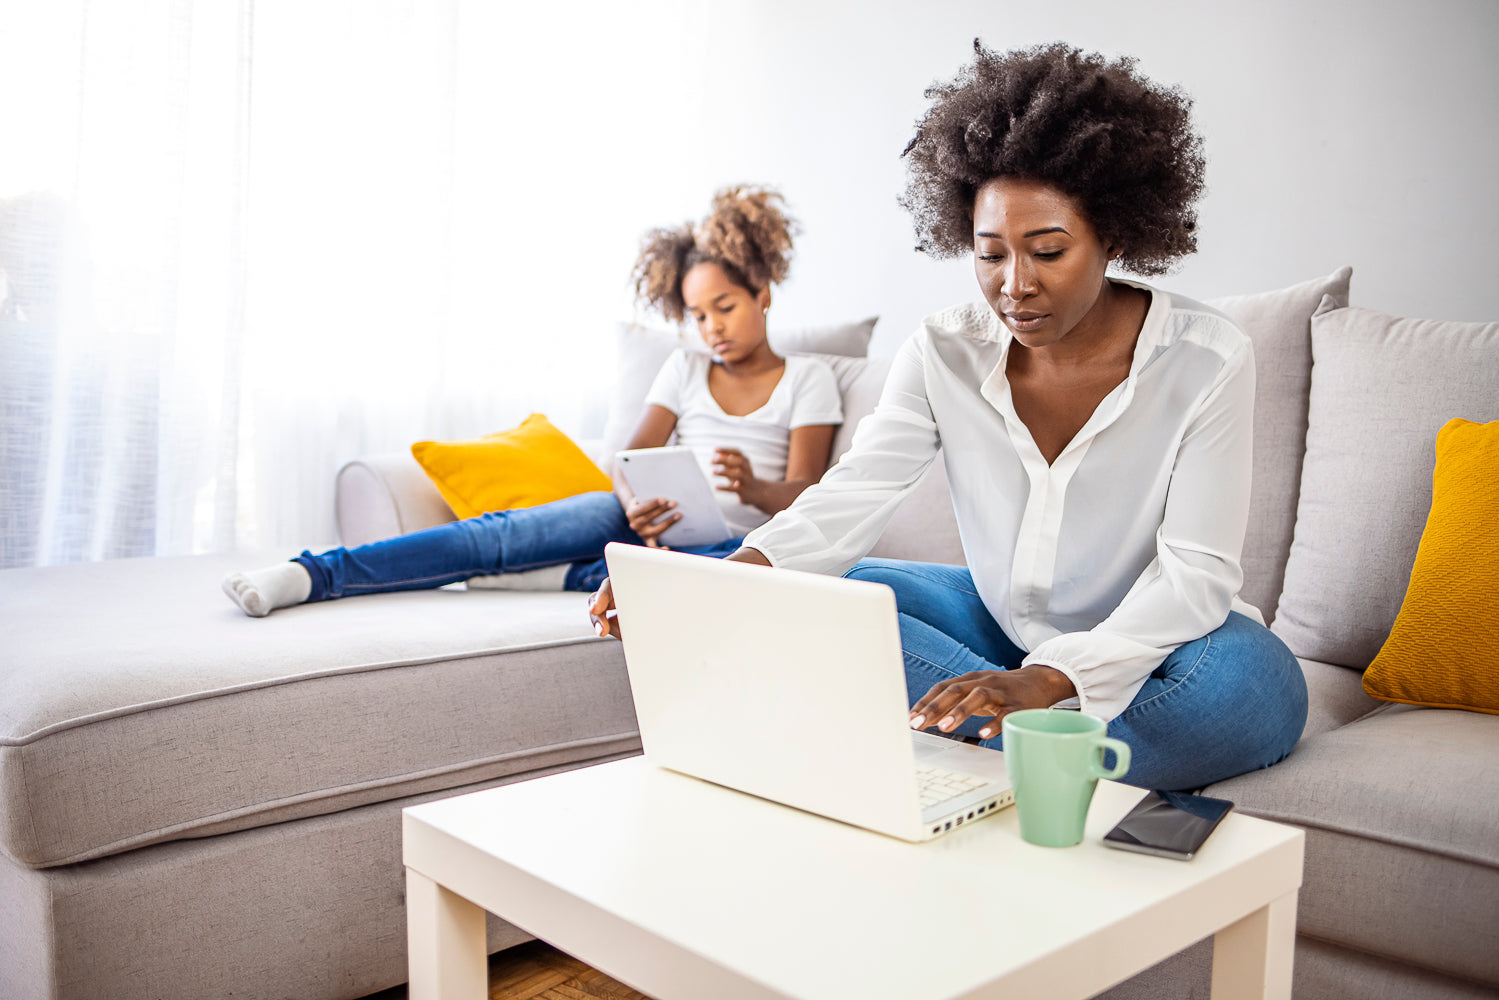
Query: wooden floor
[[537, 971]]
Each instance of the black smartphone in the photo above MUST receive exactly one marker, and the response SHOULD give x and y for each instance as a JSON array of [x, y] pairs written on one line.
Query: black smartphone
[[1168, 824]]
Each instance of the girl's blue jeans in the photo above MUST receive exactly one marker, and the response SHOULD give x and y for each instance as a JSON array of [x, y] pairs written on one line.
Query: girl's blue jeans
[[1233, 701], [570, 531]]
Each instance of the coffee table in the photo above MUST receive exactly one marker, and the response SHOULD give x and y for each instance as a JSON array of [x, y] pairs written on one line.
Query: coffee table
[[683, 889]]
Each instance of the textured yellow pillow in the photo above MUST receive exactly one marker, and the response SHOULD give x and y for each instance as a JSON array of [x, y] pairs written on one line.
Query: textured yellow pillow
[[532, 464], [1444, 649]]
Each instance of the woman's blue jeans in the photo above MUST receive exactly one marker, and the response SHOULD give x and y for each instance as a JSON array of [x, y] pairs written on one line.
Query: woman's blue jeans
[[1230, 702], [573, 530]]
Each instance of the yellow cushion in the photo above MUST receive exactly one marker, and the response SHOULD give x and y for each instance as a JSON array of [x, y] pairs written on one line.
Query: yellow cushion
[[532, 464], [1444, 649]]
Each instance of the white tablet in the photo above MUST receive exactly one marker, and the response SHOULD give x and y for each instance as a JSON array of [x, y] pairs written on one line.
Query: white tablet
[[673, 473]]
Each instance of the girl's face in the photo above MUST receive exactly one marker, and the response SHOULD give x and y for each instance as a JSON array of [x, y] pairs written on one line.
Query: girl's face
[[730, 318], [1037, 257]]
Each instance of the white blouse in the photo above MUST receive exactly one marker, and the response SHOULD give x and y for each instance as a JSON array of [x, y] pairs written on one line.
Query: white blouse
[[1099, 564]]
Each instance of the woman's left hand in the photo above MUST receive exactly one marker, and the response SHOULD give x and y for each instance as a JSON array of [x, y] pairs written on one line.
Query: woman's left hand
[[731, 464], [994, 693], [601, 611]]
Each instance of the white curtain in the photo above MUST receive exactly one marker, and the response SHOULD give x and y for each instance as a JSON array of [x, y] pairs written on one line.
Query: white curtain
[[243, 241]]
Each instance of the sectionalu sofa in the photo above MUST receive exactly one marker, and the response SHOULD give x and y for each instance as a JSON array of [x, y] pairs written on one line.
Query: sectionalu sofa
[[195, 803]]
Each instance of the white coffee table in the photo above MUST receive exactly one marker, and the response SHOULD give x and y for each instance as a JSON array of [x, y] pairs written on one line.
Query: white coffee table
[[683, 889]]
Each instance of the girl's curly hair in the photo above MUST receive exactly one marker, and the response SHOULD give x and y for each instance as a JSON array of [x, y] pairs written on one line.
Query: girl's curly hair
[[747, 233], [1096, 129]]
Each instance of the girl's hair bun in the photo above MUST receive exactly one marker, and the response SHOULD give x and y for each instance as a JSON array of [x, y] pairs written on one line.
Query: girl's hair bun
[[747, 233]]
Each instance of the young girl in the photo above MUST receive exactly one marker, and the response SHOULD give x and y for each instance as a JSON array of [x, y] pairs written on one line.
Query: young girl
[[762, 423]]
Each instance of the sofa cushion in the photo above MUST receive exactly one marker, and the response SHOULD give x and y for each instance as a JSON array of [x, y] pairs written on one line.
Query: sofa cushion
[[138, 705], [1335, 697], [1400, 809], [1280, 324], [1381, 389], [1444, 648]]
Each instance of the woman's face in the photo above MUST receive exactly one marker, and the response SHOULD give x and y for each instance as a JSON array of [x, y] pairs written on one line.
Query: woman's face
[[730, 318], [1038, 259]]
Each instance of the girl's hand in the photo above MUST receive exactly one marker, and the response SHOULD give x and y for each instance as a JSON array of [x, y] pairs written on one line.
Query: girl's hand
[[601, 610], [731, 464], [995, 693], [643, 516]]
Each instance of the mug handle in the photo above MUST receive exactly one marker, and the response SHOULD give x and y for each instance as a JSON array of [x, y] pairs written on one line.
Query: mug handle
[[1121, 764]]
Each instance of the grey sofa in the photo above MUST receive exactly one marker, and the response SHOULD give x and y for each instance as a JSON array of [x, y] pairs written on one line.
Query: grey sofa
[[195, 803]]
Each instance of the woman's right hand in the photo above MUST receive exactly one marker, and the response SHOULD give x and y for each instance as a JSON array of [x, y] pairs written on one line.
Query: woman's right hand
[[601, 610], [643, 515]]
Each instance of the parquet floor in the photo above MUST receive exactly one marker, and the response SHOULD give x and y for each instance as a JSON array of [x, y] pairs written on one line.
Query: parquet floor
[[537, 971]]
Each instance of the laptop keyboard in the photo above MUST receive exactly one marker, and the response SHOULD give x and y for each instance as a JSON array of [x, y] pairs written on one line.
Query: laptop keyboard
[[937, 785]]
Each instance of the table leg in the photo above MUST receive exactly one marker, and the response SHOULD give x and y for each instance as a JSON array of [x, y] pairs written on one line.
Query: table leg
[[1252, 958], [444, 943]]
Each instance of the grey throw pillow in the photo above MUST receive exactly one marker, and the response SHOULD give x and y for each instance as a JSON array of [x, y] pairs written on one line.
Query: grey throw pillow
[[1381, 389], [1280, 324]]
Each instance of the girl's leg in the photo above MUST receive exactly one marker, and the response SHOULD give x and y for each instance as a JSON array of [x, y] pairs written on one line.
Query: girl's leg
[[586, 576], [945, 629], [1233, 701], [510, 541]]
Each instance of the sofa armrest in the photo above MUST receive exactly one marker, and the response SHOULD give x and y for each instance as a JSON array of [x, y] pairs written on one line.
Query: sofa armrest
[[384, 496]]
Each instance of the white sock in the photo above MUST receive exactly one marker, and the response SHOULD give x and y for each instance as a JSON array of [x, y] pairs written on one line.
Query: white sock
[[545, 578], [261, 591]]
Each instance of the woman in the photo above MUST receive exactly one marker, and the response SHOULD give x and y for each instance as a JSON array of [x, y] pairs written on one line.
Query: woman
[[762, 423], [1097, 434]]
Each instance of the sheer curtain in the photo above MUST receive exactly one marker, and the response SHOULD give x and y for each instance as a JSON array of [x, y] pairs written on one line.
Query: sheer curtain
[[243, 241]]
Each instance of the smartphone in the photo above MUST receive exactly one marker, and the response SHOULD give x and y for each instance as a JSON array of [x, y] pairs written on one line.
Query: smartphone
[[1168, 824]]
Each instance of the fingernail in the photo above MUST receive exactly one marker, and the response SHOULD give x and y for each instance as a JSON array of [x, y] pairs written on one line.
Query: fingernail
[[598, 627], [986, 732], [946, 723], [918, 722]]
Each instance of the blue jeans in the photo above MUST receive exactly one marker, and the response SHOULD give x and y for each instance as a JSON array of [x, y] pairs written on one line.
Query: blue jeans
[[573, 530], [1233, 701]]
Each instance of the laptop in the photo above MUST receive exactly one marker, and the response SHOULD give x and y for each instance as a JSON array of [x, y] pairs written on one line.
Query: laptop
[[790, 686]]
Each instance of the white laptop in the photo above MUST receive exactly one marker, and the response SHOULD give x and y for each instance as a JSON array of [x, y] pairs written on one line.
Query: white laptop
[[790, 686]]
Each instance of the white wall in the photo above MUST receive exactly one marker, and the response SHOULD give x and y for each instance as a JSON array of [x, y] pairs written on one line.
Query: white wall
[[1349, 132]]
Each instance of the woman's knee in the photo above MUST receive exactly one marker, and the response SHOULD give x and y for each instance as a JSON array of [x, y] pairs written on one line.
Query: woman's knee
[[903, 575], [876, 571], [1233, 701], [1264, 665]]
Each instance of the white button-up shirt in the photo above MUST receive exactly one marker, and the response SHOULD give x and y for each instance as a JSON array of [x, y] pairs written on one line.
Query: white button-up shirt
[[1099, 564]]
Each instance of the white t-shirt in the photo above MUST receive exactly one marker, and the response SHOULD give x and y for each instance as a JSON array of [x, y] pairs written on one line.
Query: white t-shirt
[[806, 395], [1099, 564]]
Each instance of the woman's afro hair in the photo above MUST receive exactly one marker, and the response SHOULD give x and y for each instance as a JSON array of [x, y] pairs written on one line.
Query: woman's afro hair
[[747, 233], [1095, 129]]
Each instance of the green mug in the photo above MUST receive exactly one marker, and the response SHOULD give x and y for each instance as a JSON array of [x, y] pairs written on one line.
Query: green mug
[[1055, 759]]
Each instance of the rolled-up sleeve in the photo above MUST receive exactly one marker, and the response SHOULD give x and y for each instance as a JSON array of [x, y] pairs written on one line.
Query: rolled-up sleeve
[[835, 522]]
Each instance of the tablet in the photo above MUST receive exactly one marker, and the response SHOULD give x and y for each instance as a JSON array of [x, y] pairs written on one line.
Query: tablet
[[673, 473]]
